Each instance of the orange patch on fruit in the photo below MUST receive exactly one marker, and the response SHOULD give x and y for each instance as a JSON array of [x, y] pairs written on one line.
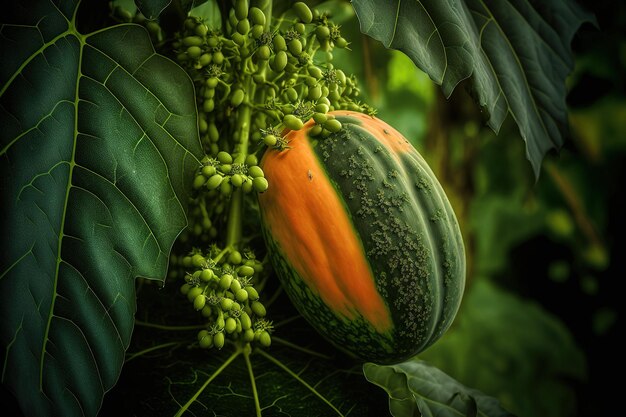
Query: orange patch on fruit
[[309, 222]]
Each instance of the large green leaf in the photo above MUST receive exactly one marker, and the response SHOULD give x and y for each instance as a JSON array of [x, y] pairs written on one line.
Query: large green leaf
[[418, 389], [515, 52], [98, 142]]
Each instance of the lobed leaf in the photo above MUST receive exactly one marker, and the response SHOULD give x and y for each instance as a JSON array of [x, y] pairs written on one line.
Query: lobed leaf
[[98, 145]]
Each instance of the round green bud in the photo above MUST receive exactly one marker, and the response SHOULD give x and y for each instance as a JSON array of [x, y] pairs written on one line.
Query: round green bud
[[218, 57], [264, 339], [206, 275], [257, 31], [260, 184], [236, 98], [263, 52], [241, 9], [238, 38], [226, 304], [252, 293], [214, 182], [310, 81], [292, 122], [199, 302], [280, 61], [207, 311], [243, 26], [209, 93], [218, 340], [333, 125], [236, 180], [300, 28], [230, 325], [320, 117], [252, 160], [324, 99], [194, 51], [184, 289], [208, 171], [226, 168], [341, 42], [224, 157], [256, 171], [322, 32], [193, 41], [321, 108], [214, 134], [303, 12], [220, 320], [206, 341], [341, 77], [187, 261], [198, 181], [256, 16], [235, 286], [292, 94], [202, 334], [193, 293], [315, 72], [201, 30], [226, 188], [245, 271], [212, 41], [203, 126], [246, 322], [315, 130], [247, 186], [241, 295], [198, 260], [211, 82], [248, 335], [225, 281], [234, 258], [205, 59], [294, 46], [279, 43], [208, 105], [270, 140], [314, 93], [258, 308]]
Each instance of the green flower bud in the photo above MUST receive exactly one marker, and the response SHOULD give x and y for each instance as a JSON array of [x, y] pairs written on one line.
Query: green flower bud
[[333, 125], [184, 289], [205, 59], [314, 93], [280, 61], [241, 9], [300, 28], [214, 182], [315, 72], [292, 94], [322, 32], [315, 130], [257, 31], [243, 26], [206, 275], [241, 295], [208, 105], [270, 140], [321, 108], [264, 339], [199, 302], [194, 51], [252, 160], [214, 134], [256, 171], [247, 186], [224, 158], [198, 260], [201, 30], [212, 41], [279, 43], [218, 340], [252, 293], [226, 304], [245, 271], [292, 122], [256, 16], [248, 335], [207, 311], [341, 42], [235, 286], [263, 52], [218, 57], [198, 181], [230, 325], [260, 184], [193, 41], [258, 308], [294, 46], [234, 258], [303, 12], [225, 187], [208, 171], [193, 293], [236, 98], [211, 82]]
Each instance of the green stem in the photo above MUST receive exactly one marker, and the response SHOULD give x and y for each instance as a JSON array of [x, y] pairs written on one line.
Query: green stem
[[151, 349], [219, 370], [255, 394]]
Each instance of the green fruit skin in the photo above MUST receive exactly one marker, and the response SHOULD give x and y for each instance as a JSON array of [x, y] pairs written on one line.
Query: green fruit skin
[[404, 222]]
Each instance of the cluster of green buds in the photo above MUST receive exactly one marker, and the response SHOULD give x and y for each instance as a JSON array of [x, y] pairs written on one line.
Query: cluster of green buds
[[222, 288], [222, 173]]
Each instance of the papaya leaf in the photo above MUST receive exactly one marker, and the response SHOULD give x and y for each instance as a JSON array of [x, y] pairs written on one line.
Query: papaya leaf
[[151, 9], [300, 374], [418, 389], [516, 54], [98, 146]]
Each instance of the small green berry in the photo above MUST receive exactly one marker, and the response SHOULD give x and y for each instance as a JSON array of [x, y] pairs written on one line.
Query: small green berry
[[258, 309], [260, 184], [292, 122], [241, 295], [199, 302], [218, 340], [256, 171], [264, 339], [230, 325], [303, 12], [214, 182]]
